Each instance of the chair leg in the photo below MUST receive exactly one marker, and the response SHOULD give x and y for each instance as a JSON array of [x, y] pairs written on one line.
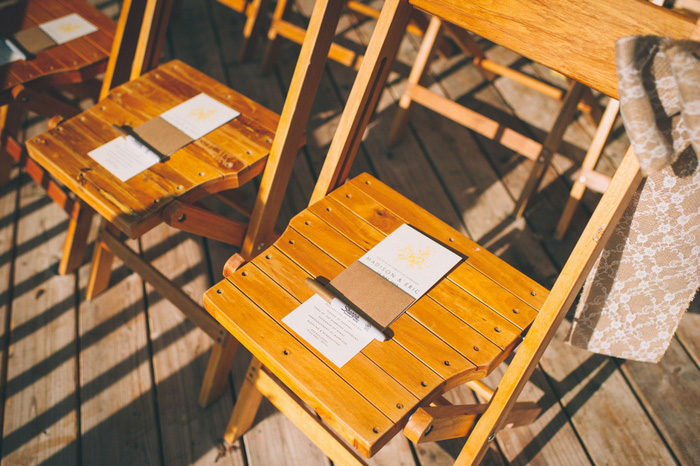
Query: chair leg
[[76, 238], [550, 147], [101, 267], [427, 47], [246, 405], [218, 368], [255, 11], [10, 123], [274, 41], [589, 162]]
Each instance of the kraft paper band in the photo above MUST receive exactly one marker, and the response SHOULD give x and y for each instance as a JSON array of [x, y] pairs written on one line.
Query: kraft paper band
[[162, 136], [370, 294]]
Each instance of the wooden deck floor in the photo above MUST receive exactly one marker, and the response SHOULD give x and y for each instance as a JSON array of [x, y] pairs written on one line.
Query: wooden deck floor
[[115, 380]]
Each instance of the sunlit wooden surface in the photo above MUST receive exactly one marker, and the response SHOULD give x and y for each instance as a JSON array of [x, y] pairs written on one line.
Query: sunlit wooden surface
[[115, 381]]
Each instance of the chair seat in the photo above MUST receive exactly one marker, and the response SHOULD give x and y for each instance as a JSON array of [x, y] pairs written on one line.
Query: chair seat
[[460, 331], [226, 158], [71, 62]]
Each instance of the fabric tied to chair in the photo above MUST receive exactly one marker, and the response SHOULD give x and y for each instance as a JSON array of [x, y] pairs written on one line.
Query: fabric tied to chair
[[645, 278]]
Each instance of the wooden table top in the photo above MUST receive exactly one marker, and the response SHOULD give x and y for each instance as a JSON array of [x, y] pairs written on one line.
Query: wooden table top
[[226, 158], [460, 331], [73, 61]]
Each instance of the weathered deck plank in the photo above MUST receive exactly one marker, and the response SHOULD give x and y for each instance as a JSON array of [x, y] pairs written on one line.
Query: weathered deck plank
[[42, 402], [8, 222], [118, 413]]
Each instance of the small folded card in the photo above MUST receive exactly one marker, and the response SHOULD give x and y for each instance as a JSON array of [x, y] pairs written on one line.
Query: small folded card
[[380, 286], [58, 31], [67, 28], [398, 270], [167, 133]]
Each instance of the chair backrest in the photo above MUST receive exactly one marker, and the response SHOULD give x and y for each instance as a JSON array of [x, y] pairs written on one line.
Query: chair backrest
[[138, 41], [574, 37]]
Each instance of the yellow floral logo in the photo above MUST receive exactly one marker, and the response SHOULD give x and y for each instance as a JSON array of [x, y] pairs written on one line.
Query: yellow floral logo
[[414, 258], [69, 27], [202, 114]]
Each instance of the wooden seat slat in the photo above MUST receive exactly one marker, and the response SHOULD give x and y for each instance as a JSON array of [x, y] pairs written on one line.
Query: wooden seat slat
[[472, 345], [344, 220], [338, 403], [475, 314], [20, 71], [432, 350], [320, 233], [494, 295], [499, 271], [342, 247], [394, 360], [408, 332]]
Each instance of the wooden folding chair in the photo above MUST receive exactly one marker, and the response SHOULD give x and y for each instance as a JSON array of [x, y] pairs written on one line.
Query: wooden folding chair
[[474, 317], [168, 192], [577, 97], [33, 85]]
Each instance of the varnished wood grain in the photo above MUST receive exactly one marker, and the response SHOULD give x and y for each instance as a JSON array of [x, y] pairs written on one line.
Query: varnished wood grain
[[41, 394], [545, 23]]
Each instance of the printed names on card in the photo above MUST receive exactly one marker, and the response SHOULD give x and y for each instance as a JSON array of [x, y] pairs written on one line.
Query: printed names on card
[[410, 260]]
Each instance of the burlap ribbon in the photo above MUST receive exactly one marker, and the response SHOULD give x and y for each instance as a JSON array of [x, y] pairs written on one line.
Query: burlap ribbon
[[649, 271]]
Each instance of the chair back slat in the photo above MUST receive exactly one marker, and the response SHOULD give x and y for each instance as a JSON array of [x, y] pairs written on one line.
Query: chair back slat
[[138, 41], [574, 37]]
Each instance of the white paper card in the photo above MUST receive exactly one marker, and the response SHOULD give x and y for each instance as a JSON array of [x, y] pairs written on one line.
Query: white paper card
[[67, 28], [199, 115], [123, 159], [410, 260], [337, 335], [9, 52]]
